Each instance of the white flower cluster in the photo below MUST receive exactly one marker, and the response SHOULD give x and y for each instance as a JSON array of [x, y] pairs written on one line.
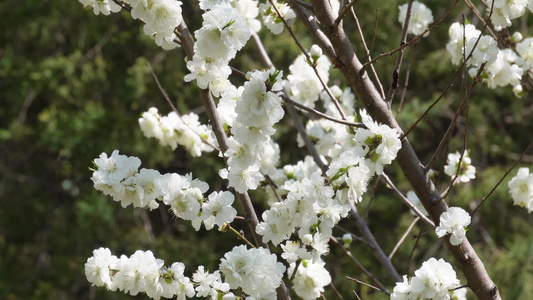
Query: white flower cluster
[[503, 11], [118, 176], [257, 109], [310, 279], [309, 205], [521, 189], [271, 19], [375, 146], [503, 66], [420, 19], [173, 130], [310, 208], [256, 271], [453, 222], [105, 7], [302, 83], [436, 280], [224, 32], [160, 17], [331, 138], [247, 8], [466, 171], [139, 273]]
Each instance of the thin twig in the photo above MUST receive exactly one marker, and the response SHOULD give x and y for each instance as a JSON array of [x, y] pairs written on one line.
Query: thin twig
[[335, 291], [404, 236], [364, 283], [373, 244], [454, 121], [262, 52], [380, 287], [413, 251], [343, 12], [380, 86], [500, 181], [167, 98], [406, 201], [415, 39], [399, 58], [404, 90], [303, 133], [321, 114], [310, 60]]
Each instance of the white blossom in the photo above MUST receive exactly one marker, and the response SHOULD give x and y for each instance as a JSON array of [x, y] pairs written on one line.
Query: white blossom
[[310, 279], [521, 189], [453, 222], [421, 17], [435, 279], [255, 270], [465, 171]]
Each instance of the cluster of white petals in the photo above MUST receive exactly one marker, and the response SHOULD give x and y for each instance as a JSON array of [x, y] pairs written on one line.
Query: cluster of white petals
[[374, 146], [460, 37], [119, 177], [302, 83], [331, 138], [173, 130], [105, 7], [271, 18], [225, 30], [465, 172], [420, 19], [139, 273], [256, 271], [160, 17], [251, 152], [309, 208], [502, 66], [310, 279], [436, 279], [521, 189], [504, 11], [453, 222]]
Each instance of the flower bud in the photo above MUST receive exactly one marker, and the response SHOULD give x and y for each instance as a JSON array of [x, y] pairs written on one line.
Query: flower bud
[[316, 52], [347, 240], [229, 296], [518, 90], [307, 239], [516, 37]]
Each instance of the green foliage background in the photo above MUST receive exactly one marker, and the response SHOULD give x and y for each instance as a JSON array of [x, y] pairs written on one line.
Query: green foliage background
[[72, 85]]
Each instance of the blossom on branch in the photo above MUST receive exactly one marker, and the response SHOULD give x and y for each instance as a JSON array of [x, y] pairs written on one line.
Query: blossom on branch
[[435, 279], [421, 17], [453, 222], [255, 270], [465, 171]]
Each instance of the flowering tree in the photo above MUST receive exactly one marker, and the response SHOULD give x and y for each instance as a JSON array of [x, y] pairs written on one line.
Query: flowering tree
[[346, 148]]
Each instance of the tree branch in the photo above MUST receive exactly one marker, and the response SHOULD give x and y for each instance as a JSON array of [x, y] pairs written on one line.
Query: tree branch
[[465, 255]]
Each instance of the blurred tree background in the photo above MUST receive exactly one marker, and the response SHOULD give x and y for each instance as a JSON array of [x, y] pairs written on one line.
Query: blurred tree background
[[72, 85]]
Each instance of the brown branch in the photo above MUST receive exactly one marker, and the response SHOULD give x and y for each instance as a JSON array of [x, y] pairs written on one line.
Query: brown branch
[[350, 66]]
